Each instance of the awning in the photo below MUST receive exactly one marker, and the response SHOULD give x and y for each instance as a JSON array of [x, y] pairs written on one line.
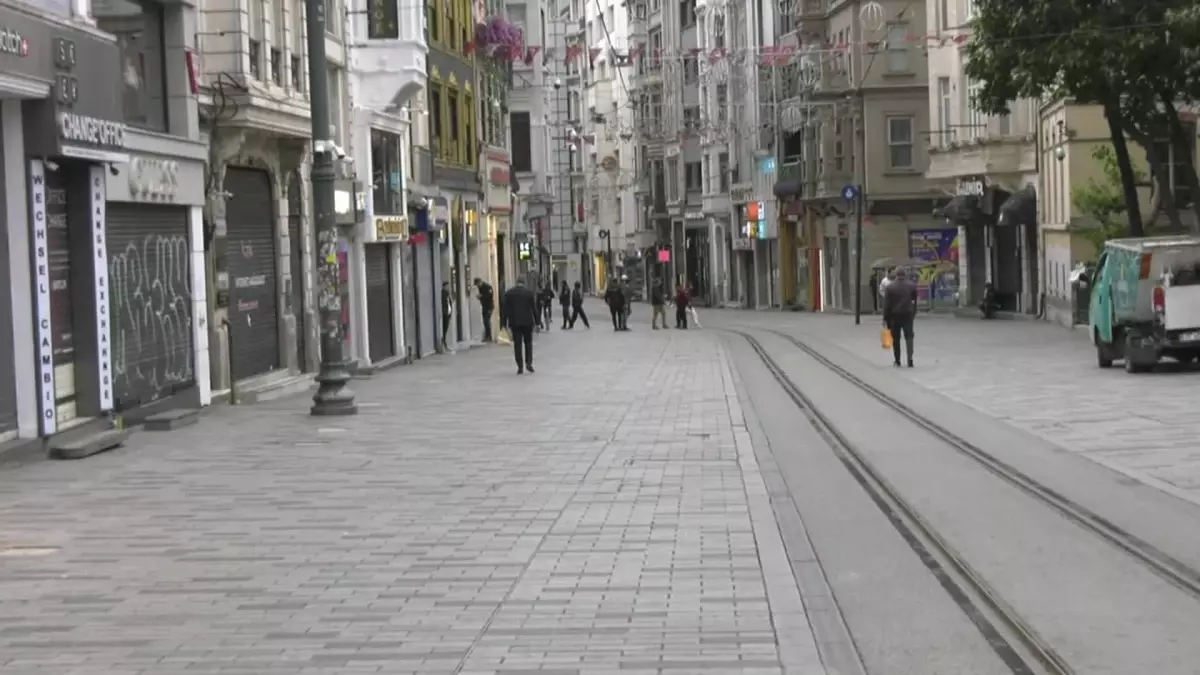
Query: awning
[[788, 187], [962, 210], [1020, 208]]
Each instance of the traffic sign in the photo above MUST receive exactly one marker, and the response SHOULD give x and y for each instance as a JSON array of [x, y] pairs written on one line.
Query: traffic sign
[[603, 234], [850, 193]]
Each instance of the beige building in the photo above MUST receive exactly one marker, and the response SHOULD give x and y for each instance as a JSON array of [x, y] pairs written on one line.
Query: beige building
[[857, 114]]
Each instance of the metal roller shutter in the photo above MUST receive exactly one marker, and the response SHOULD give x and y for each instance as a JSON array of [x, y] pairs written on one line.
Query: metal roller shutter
[[253, 280], [408, 298], [150, 285], [380, 328], [296, 239], [423, 273]]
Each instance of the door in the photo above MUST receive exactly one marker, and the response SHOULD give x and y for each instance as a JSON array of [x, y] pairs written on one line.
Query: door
[[408, 298], [296, 248], [426, 297], [62, 313], [253, 281], [150, 301], [380, 326]]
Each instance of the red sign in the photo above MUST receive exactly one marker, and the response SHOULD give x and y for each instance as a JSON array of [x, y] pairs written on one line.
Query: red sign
[[499, 176], [664, 256], [417, 238]]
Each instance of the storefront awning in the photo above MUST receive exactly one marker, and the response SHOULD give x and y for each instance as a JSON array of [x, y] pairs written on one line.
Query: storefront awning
[[962, 210], [1020, 208], [788, 187]]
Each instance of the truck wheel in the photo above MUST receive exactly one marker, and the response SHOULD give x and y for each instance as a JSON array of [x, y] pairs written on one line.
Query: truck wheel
[[1102, 358], [1132, 367]]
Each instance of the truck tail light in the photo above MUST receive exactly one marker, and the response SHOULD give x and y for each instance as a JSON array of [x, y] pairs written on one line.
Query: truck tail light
[[1159, 299]]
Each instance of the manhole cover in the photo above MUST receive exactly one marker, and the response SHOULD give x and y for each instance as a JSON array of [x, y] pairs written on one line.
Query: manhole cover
[[26, 551]]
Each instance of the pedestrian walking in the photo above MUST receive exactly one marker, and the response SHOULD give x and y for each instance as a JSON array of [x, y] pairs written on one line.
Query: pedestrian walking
[[658, 301], [564, 299], [487, 304], [627, 301], [447, 311], [521, 312], [692, 307], [682, 300], [616, 305], [873, 284], [577, 307], [899, 313], [546, 297]]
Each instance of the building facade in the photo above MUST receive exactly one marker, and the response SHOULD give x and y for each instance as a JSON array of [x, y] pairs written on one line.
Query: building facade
[[988, 168], [255, 111], [388, 71], [104, 240]]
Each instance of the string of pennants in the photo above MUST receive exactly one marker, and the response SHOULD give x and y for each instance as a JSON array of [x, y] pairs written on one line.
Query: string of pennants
[[766, 56]]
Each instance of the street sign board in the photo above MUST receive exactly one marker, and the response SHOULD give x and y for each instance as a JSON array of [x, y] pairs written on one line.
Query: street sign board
[[850, 193]]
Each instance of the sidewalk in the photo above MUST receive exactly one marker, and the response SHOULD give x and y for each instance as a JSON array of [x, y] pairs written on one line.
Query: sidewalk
[[603, 516], [1041, 378]]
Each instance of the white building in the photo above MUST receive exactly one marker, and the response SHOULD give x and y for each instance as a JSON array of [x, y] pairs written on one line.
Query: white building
[[387, 72]]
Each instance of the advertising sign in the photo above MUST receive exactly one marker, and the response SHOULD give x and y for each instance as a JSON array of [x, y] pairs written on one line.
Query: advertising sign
[[937, 281], [41, 268]]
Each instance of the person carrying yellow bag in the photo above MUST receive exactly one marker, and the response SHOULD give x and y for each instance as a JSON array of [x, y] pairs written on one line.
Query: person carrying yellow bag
[[885, 337]]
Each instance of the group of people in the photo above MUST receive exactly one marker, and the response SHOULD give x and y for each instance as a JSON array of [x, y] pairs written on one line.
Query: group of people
[[898, 295]]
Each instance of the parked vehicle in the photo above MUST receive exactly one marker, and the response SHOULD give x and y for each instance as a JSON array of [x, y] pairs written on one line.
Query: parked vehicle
[[1145, 302]]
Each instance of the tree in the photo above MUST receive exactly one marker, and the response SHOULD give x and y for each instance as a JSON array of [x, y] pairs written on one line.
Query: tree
[[1102, 202], [1116, 55]]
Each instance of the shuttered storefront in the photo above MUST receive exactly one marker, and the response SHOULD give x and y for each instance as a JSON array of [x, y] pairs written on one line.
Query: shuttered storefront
[[380, 326], [150, 286], [426, 297], [409, 299], [296, 240], [253, 280]]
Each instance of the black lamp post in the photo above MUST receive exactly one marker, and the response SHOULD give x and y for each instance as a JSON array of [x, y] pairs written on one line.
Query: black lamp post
[[333, 396]]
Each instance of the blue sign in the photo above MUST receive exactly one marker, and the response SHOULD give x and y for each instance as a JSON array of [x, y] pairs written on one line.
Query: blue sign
[[766, 165], [850, 193]]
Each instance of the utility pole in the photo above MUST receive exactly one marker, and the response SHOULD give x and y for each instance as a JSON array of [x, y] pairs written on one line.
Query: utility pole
[[333, 397]]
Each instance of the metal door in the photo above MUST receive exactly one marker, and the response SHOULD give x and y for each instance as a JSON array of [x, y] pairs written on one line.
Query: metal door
[[408, 297], [8, 385], [380, 326], [150, 303], [427, 298], [253, 279], [296, 248]]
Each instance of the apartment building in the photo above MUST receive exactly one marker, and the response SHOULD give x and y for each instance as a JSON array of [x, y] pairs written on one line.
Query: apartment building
[[608, 166], [717, 137], [853, 112], [254, 103], [988, 168], [652, 235]]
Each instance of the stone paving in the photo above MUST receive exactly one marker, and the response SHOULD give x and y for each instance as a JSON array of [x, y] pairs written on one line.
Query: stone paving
[[1039, 377], [605, 515]]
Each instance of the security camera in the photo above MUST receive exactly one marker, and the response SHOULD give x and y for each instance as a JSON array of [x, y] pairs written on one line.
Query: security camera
[[113, 170], [339, 152], [1060, 154], [557, 83]]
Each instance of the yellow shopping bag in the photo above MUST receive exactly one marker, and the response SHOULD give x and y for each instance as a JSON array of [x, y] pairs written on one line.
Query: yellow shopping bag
[[885, 338]]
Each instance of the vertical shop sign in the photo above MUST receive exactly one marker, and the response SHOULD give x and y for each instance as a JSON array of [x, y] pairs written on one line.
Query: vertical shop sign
[[100, 269], [41, 267]]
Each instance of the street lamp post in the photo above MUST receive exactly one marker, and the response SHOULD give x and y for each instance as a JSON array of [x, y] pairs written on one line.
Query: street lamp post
[[333, 397]]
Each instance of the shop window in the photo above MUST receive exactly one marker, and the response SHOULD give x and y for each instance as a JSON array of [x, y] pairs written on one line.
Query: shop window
[[138, 28], [387, 173]]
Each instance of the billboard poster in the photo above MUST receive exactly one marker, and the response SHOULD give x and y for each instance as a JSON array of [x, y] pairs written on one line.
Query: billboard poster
[[938, 280]]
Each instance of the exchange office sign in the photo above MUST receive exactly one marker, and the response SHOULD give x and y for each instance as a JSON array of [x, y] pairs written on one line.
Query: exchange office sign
[[83, 116]]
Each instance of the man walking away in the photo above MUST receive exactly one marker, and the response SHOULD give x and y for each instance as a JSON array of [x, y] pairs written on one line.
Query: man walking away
[[627, 301], [447, 310], [899, 312], [658, 300], [616, 305], [577, 307], [521, 313], [681, 304], [547, 298], [564, 299], [487, 303]]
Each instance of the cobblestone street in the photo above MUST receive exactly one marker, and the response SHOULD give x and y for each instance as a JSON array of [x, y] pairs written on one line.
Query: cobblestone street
[[1038, 377], [605, 515]]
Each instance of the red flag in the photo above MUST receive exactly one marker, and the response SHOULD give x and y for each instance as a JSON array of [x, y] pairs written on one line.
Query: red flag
[[573, 53]]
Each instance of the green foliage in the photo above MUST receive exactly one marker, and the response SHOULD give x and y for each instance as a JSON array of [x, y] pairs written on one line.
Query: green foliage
[[1102, 201]]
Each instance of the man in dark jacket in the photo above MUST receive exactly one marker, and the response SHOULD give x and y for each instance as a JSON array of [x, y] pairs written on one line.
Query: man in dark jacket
[[521, 313], [899, 312], [658, 300], [546, 296], [577, 307], [616, 304], [447, 311], [487, 304]]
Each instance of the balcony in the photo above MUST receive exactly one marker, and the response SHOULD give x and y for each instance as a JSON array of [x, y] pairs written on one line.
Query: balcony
[[388, 53], [963, 151]]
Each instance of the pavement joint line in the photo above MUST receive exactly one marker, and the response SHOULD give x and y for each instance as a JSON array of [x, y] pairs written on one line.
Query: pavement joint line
[[783, 591]]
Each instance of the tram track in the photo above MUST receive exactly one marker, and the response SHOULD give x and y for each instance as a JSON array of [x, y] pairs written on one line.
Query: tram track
[[1013, 641]]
